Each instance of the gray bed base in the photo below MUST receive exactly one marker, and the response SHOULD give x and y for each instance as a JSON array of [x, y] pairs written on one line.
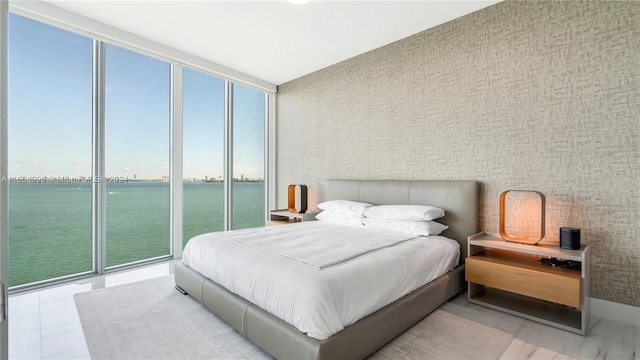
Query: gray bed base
[[357, 341]]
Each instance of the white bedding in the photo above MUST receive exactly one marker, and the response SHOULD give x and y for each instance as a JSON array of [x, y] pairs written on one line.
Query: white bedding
[[313, 246], [321, 301]]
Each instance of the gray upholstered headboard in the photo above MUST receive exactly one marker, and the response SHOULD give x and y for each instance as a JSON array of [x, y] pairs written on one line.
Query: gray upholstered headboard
[[459, 199]]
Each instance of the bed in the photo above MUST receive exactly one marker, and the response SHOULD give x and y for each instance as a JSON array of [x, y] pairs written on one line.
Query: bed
[[366, 335]]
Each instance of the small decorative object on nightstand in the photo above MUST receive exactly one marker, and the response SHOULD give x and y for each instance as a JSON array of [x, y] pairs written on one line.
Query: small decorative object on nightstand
[[570, 238], [544, 283], [284, 216]]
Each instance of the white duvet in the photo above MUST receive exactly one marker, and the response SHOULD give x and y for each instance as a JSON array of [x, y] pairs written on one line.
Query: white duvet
[[317, 276]]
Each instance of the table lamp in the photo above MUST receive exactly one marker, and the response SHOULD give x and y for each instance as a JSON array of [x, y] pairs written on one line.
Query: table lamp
[[522, 216], [297, 198]]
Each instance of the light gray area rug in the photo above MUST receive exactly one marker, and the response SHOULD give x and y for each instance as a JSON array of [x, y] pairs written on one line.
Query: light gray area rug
[[151, 320], [442, 335]]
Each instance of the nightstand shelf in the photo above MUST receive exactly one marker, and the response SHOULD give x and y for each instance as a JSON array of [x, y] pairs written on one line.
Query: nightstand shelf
[[509, 277], [544, 312], [283, 217]]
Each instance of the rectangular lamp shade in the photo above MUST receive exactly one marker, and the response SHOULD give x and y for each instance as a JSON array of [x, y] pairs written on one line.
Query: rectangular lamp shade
[[297, 198], [522, 216]]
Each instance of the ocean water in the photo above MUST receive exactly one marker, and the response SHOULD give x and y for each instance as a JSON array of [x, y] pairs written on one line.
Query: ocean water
[[50, 223]]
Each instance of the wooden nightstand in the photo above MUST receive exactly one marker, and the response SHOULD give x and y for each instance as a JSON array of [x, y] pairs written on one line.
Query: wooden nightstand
[[283, 217], [509, 277]]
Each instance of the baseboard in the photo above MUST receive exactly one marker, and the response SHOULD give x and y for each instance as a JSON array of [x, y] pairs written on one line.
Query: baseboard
[[622, 313]]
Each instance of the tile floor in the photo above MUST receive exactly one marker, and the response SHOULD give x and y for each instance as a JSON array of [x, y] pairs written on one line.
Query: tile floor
[[45, 325], [605, 339]]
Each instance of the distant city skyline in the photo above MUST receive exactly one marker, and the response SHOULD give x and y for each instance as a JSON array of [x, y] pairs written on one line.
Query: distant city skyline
[[115, 179], [50, 111]]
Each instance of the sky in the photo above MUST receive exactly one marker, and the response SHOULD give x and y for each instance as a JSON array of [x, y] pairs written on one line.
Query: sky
[[50, 111]]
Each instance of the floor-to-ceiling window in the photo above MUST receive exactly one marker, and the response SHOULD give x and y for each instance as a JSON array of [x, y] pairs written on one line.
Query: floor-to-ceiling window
[[49, 132], [203, 153], [82, 112], [137, 116], [248, 157]]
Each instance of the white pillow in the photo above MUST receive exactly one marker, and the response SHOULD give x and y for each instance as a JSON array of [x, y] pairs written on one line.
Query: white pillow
[[344, 206], [339, 218], [404, 212], [425, 228]]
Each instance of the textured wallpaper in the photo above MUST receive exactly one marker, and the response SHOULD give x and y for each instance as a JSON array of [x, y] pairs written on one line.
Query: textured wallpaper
[[519, 95]]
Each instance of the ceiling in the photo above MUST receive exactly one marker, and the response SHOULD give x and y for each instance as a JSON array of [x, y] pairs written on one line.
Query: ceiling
[[275, 41]]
